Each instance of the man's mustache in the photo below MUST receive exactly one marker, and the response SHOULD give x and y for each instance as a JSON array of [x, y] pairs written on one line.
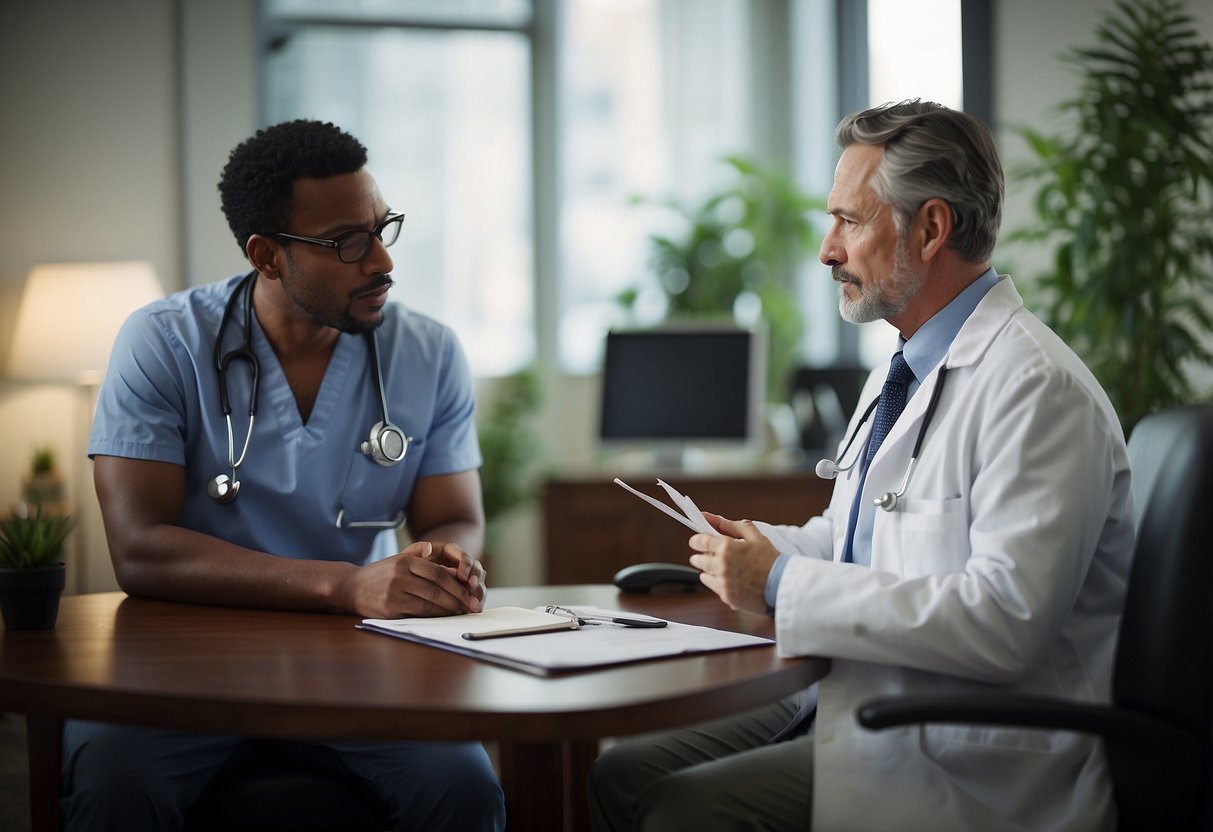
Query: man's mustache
[[379, 281], [841, 275]]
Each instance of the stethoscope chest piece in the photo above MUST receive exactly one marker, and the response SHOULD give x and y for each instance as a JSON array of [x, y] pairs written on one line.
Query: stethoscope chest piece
[[886, 501], [387, 444], [223, 488]]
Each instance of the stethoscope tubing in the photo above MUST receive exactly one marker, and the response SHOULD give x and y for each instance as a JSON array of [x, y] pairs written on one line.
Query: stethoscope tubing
[[243, 352], [386, 446], [828, 469]]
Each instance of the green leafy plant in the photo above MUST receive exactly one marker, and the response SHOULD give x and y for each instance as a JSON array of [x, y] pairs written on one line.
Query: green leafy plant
[[510, 448], [1126, 197], [43, 485], [741, 243], [43, 461], [32, 542]]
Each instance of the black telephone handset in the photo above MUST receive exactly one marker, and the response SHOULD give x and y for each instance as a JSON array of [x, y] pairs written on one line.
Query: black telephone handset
[[641, 577]]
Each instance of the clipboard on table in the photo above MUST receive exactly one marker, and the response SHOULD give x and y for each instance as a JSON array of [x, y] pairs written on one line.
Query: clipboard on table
[[551, 643]]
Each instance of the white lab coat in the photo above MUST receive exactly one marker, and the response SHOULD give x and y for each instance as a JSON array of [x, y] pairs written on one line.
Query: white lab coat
[[1004, 565]]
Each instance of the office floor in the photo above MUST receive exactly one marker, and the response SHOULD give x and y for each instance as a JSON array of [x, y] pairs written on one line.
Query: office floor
[[14, 775]]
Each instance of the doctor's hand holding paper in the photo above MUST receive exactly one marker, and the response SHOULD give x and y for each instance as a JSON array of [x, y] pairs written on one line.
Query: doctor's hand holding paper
[[735, 563], [978, 538]]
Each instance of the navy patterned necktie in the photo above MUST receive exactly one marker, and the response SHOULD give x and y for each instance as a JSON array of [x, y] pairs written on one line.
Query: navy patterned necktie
[[892, 401]]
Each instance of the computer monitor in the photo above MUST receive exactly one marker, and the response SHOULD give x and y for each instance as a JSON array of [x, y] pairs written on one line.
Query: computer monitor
[[683, 386]]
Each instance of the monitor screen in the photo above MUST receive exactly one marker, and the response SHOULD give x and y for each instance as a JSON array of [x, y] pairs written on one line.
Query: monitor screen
[[683, 384]]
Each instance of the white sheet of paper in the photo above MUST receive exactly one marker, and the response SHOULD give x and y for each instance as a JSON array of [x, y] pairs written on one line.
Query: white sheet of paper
[[688, 507], [692, 517], [587, 646]]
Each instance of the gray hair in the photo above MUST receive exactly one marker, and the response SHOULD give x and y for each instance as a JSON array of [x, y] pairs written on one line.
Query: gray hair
[[931, 151]]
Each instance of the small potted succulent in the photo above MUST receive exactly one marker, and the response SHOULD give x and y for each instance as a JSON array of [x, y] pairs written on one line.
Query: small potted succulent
[[32, 573]]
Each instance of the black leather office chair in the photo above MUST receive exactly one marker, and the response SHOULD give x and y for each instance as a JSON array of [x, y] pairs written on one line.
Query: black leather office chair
[[1157, 729], [273, 790]]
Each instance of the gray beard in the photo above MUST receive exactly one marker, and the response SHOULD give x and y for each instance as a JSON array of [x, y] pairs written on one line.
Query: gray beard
[[879, 303]]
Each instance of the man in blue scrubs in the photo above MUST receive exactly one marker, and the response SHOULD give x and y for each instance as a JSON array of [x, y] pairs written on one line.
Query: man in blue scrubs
[[247, 453]]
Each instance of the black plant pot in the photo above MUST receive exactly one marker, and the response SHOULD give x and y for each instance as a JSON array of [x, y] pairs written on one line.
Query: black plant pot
[[29, 600]]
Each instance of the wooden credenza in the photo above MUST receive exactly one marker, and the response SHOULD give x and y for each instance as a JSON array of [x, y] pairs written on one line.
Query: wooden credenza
[[593, 528]]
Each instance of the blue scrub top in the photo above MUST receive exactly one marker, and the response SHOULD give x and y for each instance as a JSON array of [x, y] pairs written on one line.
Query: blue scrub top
[[160, 401]]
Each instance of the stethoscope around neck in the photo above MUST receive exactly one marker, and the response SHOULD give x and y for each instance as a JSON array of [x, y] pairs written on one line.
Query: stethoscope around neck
[[386, 445], [828, 469]]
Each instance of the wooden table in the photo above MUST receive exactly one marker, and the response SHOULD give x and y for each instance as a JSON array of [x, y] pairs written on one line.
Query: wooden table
[[280, 674]]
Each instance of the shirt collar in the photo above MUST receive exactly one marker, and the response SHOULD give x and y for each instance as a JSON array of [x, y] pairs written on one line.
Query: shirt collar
[[930, 343]]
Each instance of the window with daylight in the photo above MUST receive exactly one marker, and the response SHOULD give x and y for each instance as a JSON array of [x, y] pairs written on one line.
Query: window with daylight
[[914, 51], [534, 144], [654, 93], [440, 95]]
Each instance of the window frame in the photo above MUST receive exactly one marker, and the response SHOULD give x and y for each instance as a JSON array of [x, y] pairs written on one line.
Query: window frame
[[977, 76], [542, 31]]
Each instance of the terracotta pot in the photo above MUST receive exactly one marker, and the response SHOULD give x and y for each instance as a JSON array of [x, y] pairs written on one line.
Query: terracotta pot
[[29, 599]]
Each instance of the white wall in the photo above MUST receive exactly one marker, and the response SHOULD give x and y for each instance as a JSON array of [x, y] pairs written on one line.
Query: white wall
[[218, 108], [88, 161], [118, 117]]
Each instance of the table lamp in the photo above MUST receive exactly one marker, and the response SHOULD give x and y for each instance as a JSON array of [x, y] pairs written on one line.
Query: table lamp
[[66, 324], [70, 313]]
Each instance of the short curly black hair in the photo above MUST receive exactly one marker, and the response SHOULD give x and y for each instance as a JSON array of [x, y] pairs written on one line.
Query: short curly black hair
[[258, 180]]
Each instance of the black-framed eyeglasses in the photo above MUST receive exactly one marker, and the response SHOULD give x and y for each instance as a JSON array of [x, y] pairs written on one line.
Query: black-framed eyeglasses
[[353, 246]]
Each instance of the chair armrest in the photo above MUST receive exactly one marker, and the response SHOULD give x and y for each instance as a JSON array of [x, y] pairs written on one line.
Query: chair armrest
[[1108, 721]]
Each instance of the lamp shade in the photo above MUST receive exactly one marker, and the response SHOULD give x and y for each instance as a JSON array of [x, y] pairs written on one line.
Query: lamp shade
[[70, 314]]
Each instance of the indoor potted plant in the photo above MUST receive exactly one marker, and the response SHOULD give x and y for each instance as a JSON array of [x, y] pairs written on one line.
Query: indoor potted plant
[[741, 247], [43, 486], [32, 573], [511, 449], [1124, 196]]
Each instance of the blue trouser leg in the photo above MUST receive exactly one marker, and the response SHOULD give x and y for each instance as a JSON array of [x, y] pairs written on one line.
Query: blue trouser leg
[[122, 777], [430, 785]]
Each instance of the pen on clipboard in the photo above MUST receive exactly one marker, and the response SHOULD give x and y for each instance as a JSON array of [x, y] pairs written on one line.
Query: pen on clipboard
[[521, 631], [627, 622], [575, 621], [590, 618]]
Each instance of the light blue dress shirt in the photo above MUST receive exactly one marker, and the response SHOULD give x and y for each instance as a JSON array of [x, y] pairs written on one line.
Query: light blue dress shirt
[[160, 401], [922, 352]]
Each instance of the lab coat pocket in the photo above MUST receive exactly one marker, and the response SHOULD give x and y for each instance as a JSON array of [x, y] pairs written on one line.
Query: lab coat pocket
[[378, 494], [932, 536], [961, 749]]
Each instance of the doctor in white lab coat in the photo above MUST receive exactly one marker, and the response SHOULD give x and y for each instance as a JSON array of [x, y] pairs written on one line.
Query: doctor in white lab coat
[[1003, 562]]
